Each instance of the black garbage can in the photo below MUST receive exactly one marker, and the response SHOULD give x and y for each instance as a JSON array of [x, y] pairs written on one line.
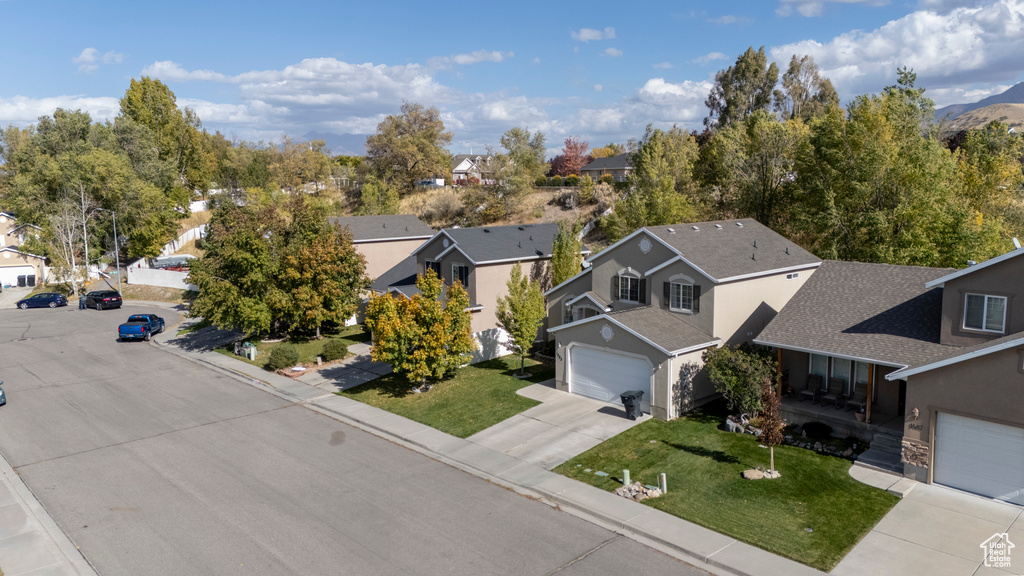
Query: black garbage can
[[631, 402]]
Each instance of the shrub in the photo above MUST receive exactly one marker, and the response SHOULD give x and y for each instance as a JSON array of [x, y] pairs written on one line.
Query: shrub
[[572, 180], [586, 190], [540, 181], [817, 431], [283, 356], [556, 180], [334, 350], [606, 179]]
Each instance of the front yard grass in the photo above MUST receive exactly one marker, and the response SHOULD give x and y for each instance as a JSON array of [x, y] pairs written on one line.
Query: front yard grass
[[308, 348], [477, 397], [703, 465]]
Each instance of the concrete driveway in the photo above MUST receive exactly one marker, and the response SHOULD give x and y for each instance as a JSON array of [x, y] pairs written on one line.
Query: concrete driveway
[[937, 531], [563, 426], [11, 295]]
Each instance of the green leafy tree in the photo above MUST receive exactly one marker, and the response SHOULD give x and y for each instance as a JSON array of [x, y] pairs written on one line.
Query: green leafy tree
[[410, 146], [521, 312], [767, 168], [514, 174], [805, 94], [377, 198], [741, 89], [422, 338], [738, 374], [566, 252]]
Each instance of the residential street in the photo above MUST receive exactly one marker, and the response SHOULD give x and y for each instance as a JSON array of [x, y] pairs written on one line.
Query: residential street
[[153, 464]]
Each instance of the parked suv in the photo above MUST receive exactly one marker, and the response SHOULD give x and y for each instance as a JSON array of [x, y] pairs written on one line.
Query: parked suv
[[103, 299]]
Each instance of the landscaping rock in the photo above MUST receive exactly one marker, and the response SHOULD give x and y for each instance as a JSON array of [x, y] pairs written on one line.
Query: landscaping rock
[[637, 491], [772, 474], [847, 452], [753, 474], [817, 446], [733, 425]]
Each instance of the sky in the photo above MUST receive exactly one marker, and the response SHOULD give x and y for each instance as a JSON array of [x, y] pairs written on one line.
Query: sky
[[260, 70]]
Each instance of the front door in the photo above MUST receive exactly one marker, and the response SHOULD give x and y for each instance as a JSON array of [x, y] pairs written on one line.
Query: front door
[[901, 406]]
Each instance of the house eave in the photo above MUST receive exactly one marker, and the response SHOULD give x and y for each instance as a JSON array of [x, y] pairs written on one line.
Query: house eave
[[910, 371], [829, 353]]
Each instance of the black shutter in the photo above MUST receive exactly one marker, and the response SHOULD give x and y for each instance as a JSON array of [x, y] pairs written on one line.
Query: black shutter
[[643, 291], [696, 299], [665, 301], [615, 287]]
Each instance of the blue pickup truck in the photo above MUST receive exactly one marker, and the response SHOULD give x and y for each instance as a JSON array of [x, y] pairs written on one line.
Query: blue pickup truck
[[140, 327]]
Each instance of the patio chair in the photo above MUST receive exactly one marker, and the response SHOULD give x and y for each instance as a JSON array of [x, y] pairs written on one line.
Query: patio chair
[[834, 394], [812, 390], [857, 401]]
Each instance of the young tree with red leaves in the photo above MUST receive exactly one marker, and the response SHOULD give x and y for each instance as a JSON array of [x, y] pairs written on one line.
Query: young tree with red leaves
[[574, 156]]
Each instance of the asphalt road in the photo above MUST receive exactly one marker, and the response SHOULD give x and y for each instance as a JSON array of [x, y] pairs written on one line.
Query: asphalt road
[[153, 464]]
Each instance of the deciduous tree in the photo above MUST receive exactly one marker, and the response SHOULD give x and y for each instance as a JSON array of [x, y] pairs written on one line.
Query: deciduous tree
[[741, 89], [521, 312], [566, 257], [410, 146], [738, 374], [377, 198], [804, 94]]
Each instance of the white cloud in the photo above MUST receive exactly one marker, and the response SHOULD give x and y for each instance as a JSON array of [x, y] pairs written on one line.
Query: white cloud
[[171, 72], [588, 34], [612, 52], [951, 50], [22, 111], [811, 8], [663, 65], [727, 19], [471, 58], [598, 88], [710, 57], [90, 59], [659, 102]]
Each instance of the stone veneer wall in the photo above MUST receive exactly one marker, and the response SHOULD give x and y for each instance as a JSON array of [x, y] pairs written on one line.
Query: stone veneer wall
[[915, 453]]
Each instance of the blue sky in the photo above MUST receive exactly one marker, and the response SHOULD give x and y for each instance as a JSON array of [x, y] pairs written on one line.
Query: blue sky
[[257, 70]]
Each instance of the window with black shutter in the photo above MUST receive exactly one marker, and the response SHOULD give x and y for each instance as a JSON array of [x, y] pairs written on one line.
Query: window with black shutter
[[434, 267], [696, 299]]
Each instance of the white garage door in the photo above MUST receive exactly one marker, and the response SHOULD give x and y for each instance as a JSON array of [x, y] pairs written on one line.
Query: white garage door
[[605, 375], [9, 275], [980, 457]]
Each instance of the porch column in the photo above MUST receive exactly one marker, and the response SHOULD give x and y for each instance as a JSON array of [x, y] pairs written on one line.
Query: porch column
[[871, 391]]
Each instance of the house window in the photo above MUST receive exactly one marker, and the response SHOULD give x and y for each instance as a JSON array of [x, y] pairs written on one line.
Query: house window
[[460, 272], [861, 371], [819, 367], [681, 297], [986, 313], [629, 289], [841, 368], [567, 315], [792, 275], [434, 267]]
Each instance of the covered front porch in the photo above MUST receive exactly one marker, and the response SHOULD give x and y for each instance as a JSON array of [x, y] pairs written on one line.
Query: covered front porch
[[843, 421]]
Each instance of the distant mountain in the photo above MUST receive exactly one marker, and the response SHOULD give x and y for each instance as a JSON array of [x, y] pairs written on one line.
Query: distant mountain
[[341, 144], [1010, 114], [1015, 95]]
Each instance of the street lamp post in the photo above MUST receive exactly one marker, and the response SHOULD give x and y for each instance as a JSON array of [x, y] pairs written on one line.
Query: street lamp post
[[117, 252]]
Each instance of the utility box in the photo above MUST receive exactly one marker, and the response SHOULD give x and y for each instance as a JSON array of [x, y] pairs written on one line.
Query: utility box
[[631, 400], [250, 352]]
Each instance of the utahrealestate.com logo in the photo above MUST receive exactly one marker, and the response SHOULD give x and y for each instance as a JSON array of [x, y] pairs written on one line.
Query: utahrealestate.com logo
[[997, 550]]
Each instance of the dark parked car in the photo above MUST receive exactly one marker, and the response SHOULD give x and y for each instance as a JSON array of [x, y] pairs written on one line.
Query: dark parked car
[[43, 300], [103, 299], [3, 397]]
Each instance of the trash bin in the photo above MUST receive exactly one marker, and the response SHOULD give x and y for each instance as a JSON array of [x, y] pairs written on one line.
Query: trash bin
[[250, 352], [631, 402]]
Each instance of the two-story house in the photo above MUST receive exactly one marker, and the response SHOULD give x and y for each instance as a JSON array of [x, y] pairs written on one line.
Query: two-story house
[[935, 356], [618, 167], [16, 266], [467, 168], [641, 313], [481, 258], [385, 240]]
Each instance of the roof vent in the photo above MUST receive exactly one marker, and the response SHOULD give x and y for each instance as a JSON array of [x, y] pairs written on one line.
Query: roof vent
[[753, 256], [787, 250], [719, 226], [521, 228], [487, 230], [531, 238], [383, 224], [696, 228], [755, 243], [671, 230], [519, 244], [740, 224]]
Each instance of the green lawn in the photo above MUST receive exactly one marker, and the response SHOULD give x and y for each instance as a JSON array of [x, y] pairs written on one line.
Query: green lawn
[[308, 349], [703, 466], [479, 396]]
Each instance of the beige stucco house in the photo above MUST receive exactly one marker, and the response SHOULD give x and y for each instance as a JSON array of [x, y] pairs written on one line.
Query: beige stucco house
[[938, 356], [385, 240], [481, 258], [642, 312], [18, 266], [618, 167]]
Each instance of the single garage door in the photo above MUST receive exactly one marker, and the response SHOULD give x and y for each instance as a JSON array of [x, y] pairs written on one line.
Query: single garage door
[[980, 457], [605, 375], [9, 275]]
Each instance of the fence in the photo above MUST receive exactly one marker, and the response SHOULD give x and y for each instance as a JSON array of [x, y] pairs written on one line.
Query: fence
[[163, 278], [186, 237]]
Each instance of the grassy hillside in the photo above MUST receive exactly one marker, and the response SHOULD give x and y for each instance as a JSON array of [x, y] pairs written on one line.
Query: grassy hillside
[[1010, 114]]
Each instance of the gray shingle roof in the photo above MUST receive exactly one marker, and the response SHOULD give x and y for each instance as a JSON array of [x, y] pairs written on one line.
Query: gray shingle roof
[[733, 248], [669, 331], [620, 162], [876, 312], [391, 227], [514, 242]]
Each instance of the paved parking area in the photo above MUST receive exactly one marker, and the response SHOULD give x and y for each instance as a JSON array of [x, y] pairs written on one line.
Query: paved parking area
[[937, 531], [563, 426]]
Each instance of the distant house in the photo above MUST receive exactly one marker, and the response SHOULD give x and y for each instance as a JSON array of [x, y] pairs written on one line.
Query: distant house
[[469, 167], [385, 240], [619, 167], [481, 259], [16, 266]]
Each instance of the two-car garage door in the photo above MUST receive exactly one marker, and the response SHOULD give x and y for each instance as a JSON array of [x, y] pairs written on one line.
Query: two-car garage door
[[981, 457], [9, 274], [605, 375]]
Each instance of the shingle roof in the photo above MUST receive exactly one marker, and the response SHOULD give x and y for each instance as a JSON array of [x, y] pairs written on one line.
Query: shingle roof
[[391, 227], [667, 330], [496, 243], [620, 162], [727, 249], [876, 312]]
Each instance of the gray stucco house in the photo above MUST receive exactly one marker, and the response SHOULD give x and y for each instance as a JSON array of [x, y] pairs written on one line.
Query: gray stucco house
[[642, 312], [936, 354]]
